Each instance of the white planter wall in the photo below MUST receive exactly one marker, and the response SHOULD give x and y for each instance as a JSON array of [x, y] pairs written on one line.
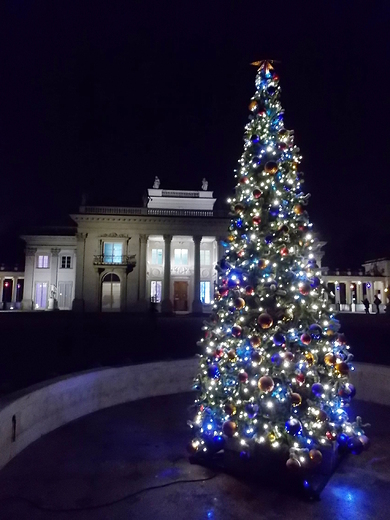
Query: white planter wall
[[47, 406]]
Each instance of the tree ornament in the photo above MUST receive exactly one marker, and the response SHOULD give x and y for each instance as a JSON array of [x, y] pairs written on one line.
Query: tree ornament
[[315, 456], [341, 339], [244, 180], [304, 289], [239, 208], [300, 378], [315, 282], [342, 368], [271, 167], [223, 291], [298, 209], [261, 263], [256, 193], [315, 331], [265, 321], [310, 359], [236, 331], [256, 357], [239, 303], [218, 443], [347, 391], [283, 229], [293, 426], [232, 355], [355, 446], [213, 371], [306, 339], [266, 384], [284, 251], [243, 377], [229, 428], [293, 465], [296, 399], [256, 220], [269, 239], [279, 339], [255, 341], [253, 106], [330, 359], [255, 138], [317, 389], [230, 409], [322, 416], [249, 290], [288, 356], [252, 410]]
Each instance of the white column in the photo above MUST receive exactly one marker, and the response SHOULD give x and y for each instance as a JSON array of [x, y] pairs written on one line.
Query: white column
[[14, 284], [78, 302], [197, 306], [143, 241], [348, 293], [54, 277], [28, 291], [359, 293], [166, 304], [337, 295]]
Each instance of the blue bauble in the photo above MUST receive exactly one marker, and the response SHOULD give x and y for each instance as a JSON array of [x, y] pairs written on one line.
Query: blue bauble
[[293, 427], [256, 161], [252, 410], [255, 138], [271, 90], [315, 331], [274, 211], [275, 358], [269, 239], [213, 371], [317, 389], [315, 282], [218, 442], [343, 439], [355, 446], [279, 339], [347, 391]]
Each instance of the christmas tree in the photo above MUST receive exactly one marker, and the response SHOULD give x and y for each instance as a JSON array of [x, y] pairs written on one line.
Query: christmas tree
[[274, 370]]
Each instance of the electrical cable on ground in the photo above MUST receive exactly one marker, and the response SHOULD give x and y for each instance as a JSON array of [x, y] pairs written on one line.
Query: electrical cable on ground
[[107, 504]]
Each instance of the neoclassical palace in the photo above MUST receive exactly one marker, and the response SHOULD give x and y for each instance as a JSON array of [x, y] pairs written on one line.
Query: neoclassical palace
[[123, 258]]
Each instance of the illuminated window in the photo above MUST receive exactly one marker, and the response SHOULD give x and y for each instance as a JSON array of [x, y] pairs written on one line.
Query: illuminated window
[[181, 256], [205, 289], [157, 256], [205, 257], [43, 262], [66, 262], [155, 291], [112, 252]]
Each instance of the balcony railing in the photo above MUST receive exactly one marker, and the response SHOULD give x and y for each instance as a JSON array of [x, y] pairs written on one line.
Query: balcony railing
[[114, 260], [110, 210]]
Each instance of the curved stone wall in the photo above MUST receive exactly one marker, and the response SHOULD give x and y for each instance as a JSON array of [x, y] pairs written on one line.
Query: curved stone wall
[[27, 415]]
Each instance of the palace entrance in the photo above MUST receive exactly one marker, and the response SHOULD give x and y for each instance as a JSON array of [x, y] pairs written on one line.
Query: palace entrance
[[180, 296], [111, 293]]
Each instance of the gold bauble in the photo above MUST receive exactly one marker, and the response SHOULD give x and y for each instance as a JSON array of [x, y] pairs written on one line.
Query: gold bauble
[[255, 341], [229, 428], [296, 399], [271, 167], [315, 456], [239, 303], [232, 355], [253, 106], [298, 209], [230, 409], [329, 359], [309, 358], [342, 368], [266, 384]]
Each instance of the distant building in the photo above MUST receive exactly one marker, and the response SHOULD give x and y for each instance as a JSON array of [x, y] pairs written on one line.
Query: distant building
[[123, 258]]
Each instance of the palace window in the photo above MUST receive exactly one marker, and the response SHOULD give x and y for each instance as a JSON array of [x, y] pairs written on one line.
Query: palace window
[[66, 262], [157, 258], [205, 257], [155, 291], [181, 256], [205, 290], [112, 252], [43, 262]]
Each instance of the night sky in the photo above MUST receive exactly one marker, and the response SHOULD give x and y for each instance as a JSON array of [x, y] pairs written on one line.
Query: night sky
[[100, 96]]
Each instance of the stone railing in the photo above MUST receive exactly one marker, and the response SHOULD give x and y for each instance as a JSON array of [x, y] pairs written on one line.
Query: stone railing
[[110, 210]]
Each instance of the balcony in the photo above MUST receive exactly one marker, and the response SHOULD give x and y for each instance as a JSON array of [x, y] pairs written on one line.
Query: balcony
[[125, 260], [164, 212]]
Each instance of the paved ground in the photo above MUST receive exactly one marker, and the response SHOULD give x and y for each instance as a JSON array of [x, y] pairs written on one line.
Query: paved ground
[[109, 455]]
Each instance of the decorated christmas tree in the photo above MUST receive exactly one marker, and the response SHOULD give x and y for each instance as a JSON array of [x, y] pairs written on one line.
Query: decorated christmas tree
[[274, 371]]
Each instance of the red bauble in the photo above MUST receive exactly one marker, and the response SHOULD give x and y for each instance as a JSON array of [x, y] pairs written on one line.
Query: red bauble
[[243, 180], [218, 352], [265, 321], [223, 291], [284, 251], [243, 377], [256, 193], [236, 331], [288, 356], [293, 465], [296, 399], [229, 428], [241, 253], [306, 339], [342, 339], [331, 436], [266, 384], [300, 378], [249, 290], [256, 220], [255, 341], [304, 289], [282, 146]]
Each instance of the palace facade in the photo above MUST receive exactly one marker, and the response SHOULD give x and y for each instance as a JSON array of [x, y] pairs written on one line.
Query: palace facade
[[119, 259]]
